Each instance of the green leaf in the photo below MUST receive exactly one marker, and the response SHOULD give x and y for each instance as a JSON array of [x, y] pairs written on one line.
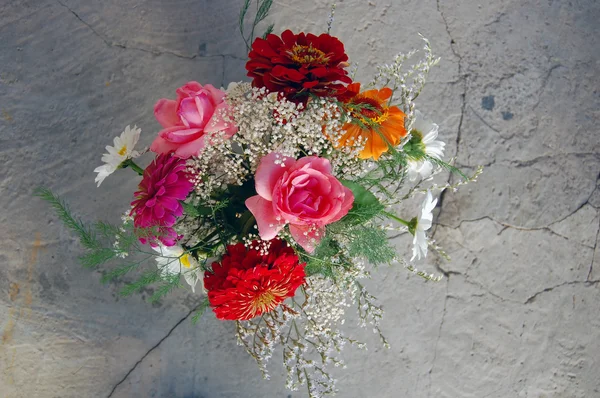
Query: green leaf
[[362, 196], [87, 237], [372, 244], [98, 256], [446, 166], [365, 206], [189, 209], [263, 11], [200, 310], [194, 211], [268, 31]]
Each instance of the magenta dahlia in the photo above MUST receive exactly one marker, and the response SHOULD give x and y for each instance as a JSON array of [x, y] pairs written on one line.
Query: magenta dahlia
[[156, 205]]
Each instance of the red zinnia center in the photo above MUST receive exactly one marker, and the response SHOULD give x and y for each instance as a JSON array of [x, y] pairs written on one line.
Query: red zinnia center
[[264, 302], [307, 55]]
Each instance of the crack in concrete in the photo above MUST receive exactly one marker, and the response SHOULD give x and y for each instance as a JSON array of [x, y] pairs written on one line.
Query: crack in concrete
[[589, 275], [150, 350], [484, 121], [461, 78], [495, 20], [439, 336], [529, 162], [113, 44], [488, 291], [468, 280], [551, 288], [544, 84], [519, 228]]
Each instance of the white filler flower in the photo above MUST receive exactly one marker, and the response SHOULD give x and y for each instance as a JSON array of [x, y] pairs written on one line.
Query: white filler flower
[[173, 260], [424, 222], [119, 153], [423, 141]]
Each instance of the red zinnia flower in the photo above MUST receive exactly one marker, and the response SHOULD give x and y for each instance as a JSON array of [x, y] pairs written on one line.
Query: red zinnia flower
[[248, 282], [163, 185], [296, 65]]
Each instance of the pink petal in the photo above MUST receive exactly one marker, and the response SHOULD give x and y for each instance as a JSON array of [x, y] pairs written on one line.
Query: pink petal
[[165, 112], [268, 173], [196, 111], [192, 148], [159, 212], [170, 203], [345, 207], [188, 90], [180, 134], [162, 146], [216, 95], [262, 209], [310, 240], [315, 163], [217, 122]]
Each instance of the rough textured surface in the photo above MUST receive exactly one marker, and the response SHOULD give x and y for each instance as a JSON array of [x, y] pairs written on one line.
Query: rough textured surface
[[516, 91]]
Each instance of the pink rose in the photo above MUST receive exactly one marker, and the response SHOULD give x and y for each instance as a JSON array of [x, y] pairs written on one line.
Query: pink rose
[[196, 111], [301, 193]]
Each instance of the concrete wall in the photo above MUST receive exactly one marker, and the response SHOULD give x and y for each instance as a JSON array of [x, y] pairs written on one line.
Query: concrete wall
[[517, 91]]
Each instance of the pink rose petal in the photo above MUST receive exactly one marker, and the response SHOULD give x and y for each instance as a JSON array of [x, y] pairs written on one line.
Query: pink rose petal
[[266, 220], [310, 240], [165, 112], [268, 173]]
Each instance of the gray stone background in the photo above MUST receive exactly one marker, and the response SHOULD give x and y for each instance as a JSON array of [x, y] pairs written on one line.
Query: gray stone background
[[517, 91]]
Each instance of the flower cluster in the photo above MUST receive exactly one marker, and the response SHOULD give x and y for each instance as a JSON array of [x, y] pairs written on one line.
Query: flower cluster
[[278, 195], [249, 282]]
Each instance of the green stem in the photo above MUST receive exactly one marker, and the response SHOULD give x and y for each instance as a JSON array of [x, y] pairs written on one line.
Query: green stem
[[401, 221], [134, 167], [204, 242]]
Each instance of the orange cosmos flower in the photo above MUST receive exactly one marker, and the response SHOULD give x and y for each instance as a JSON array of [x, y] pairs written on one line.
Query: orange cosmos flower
[[373, 119]]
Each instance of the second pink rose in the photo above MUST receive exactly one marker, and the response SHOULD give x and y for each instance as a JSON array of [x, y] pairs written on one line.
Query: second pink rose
[[302, 193]]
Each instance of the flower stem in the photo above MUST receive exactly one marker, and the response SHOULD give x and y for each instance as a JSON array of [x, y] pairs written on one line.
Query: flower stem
[[134, 167], [401, 221]]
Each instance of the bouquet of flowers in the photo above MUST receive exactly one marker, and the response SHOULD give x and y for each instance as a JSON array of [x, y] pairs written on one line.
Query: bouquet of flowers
[[275, 197]]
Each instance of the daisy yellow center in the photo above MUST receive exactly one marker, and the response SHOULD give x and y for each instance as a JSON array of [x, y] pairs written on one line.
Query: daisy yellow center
[[303, 55], [123, 150], [185, 260]]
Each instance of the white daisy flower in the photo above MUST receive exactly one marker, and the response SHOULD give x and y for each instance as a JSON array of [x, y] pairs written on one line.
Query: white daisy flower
[[173, 260], [423, 141], [424, 222], [117, 154]]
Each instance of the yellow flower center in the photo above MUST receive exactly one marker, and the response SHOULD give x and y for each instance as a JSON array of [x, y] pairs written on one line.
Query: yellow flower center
[[185, 260], [380, 119], [307, 55], [123, 150], [263, 302], [369, 111]]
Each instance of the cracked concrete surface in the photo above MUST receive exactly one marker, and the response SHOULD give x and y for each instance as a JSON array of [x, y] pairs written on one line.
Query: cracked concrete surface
[[516, 91]]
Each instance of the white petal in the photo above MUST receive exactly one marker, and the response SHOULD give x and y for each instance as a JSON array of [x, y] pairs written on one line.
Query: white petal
[[426, 169], [431, 134], [413, 171], [103, 172], [192, 277]]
